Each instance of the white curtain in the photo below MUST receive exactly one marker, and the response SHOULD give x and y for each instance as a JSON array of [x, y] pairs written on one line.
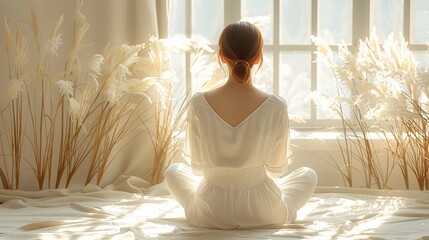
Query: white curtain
[[111, 21], [129, 21]]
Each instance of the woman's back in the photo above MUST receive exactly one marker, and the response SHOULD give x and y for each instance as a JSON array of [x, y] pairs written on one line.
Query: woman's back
[[250, 142], [235, 103]]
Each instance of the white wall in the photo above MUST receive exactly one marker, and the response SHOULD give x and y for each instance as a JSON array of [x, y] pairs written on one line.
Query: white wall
[[318, 150]]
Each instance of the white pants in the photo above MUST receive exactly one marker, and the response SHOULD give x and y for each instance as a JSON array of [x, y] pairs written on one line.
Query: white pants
[[295, 189]]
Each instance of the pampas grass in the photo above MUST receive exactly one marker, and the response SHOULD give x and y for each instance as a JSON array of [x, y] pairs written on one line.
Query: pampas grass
[[14, 127], [80, 120], [169, 120], [387, 98]]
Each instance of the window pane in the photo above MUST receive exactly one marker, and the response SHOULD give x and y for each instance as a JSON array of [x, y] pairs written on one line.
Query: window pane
[[176, 23], [327, 84], [264, 76], [177, 64], [295, 82], [335, 20], [387, 16], [207, 20], [422, 57], [203, 67], [257, 8], [419, 26], [295, 22]]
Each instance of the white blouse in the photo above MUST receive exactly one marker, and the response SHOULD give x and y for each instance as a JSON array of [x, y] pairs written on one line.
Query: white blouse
[[236, 191], [261, 139]]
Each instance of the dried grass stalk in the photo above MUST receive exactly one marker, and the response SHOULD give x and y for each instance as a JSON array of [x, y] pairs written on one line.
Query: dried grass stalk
[[390, 89], [74, 119]]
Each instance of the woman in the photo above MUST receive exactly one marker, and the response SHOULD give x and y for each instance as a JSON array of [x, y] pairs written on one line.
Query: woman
[[238, 140]]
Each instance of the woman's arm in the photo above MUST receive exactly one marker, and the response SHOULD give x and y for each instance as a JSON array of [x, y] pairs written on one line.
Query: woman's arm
[[192, 143], [281, 154]]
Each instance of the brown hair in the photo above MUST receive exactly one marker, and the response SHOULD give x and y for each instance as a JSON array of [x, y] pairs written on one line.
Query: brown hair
[[241, 44]]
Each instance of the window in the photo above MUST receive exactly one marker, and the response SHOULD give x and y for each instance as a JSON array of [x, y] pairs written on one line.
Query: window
[[289, 67]]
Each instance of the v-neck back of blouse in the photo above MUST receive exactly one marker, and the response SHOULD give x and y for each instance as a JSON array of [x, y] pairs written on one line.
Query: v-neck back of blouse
[[245, 145], [243, 120]]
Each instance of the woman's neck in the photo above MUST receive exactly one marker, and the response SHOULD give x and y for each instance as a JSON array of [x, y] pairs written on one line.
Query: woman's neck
[[232, 83]]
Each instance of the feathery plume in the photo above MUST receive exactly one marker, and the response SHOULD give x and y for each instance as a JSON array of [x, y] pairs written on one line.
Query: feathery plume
[[324, 52], [96, 63], [9, 37], [51, 46], [21, 48], [16, 87], [95, 68], [258, 21], [74, 107], [66, 87]]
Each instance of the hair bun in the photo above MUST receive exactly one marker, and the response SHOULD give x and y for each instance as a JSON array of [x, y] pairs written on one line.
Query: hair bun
[[242, 62], [241, 71]]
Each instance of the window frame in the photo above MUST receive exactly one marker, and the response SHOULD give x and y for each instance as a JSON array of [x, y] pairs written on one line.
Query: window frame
[[361, 28]]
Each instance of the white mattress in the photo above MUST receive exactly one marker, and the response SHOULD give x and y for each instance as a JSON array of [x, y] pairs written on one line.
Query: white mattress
[[112, 213]]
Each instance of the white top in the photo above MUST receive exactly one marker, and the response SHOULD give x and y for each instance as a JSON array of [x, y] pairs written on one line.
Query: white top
[[261, 139], [236, 191]]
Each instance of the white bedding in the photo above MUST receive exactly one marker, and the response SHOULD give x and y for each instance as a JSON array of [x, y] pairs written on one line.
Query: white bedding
[[139, 213]]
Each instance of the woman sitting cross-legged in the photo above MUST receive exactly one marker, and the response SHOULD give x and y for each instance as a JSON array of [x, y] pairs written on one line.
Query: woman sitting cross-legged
[[238, 140]]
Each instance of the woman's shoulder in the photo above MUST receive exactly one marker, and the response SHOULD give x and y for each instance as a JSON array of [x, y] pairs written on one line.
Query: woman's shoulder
[[196, 97], [197, 100], [278, 102], [201, 97]]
